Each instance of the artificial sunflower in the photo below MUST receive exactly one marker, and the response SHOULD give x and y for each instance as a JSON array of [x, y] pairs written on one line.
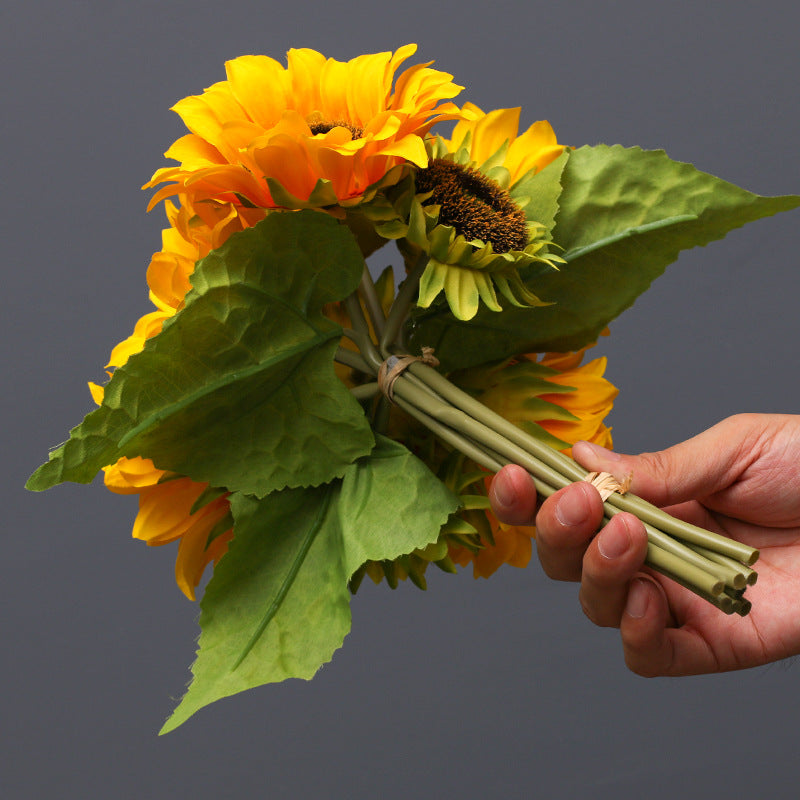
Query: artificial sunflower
[[172, 507], [469, 222], [318, 132]]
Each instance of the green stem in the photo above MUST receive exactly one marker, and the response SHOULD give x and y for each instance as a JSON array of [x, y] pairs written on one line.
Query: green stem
[[684, 531], [365, 391], [489, 440], [671, 564], [352, 360], [567, 468], [372, 302], [731, 573], [406, 296], [750, 575], [490, 449], [478, 411], [380, 417]]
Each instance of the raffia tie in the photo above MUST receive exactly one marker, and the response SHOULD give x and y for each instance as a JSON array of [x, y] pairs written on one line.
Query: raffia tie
[[395, 366], [607, 484]]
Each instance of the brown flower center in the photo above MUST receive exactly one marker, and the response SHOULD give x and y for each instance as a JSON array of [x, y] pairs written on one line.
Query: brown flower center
[[324, 125], [476, 206]]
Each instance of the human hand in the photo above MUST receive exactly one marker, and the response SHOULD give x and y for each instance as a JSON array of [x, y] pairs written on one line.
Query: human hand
[[740, 478]]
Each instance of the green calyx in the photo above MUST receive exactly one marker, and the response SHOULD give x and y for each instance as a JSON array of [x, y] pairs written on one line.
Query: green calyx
[[476, 233]]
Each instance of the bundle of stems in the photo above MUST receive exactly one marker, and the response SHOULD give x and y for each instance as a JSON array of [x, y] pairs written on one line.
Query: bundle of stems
[[714, 567]]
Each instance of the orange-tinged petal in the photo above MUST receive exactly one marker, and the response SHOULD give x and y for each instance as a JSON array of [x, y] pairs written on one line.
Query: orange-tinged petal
[[338, 167], [285, 159], [240, 119], [512, 545], [168, 277], [227, 180], [239, 133], [193, 555], [164, 510], [383, 126], [165, 191]]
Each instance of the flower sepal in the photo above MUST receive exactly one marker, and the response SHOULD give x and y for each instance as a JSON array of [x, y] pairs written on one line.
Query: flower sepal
[[469, 271]]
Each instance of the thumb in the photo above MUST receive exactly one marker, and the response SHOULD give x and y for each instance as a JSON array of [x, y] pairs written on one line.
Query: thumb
[[694, 469]]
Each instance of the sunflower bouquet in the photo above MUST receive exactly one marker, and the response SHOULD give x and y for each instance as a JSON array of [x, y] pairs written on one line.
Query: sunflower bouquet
[[301, 422]]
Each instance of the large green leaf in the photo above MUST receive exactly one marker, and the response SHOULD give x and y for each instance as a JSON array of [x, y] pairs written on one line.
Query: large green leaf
[[624, 215], [278, 604], [538, 192], [239, 388]]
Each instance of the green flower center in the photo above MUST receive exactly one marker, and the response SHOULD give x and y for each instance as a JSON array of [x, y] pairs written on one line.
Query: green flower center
[[476, 206], [324, 125]]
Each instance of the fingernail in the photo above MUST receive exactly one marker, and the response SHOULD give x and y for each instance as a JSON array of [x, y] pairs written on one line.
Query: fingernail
[[638, 599], [613, 541], [504, 491], [597, 451], [572, 507]]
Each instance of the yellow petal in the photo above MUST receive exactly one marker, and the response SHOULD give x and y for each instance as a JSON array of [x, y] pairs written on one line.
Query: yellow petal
[[164, 510], [534, 149], [305, 66], [205, 115], [369, 94], [491, 132], [411, 148], [131, 475], [97, 392], [149, 325], [248, 76], [193, 555], [194, 152]]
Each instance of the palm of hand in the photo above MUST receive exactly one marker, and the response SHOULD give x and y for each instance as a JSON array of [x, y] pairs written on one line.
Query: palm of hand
[[766, 500]]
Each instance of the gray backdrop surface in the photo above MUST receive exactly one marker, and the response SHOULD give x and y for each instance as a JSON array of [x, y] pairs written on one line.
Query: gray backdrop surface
[[473, 689]]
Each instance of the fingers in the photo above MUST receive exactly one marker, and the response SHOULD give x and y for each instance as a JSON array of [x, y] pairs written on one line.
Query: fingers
[[694, 469], [654, 648], [614, 592], [565, 525], [610, 563], [513, 496]]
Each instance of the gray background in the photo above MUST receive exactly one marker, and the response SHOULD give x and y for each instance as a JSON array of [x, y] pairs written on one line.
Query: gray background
[[474, 689]]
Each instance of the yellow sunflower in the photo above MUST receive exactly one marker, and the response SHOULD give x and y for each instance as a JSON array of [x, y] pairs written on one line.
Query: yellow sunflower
[[173, 508], [553, 397], [469, 218], [318, 132], [166, 502]]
